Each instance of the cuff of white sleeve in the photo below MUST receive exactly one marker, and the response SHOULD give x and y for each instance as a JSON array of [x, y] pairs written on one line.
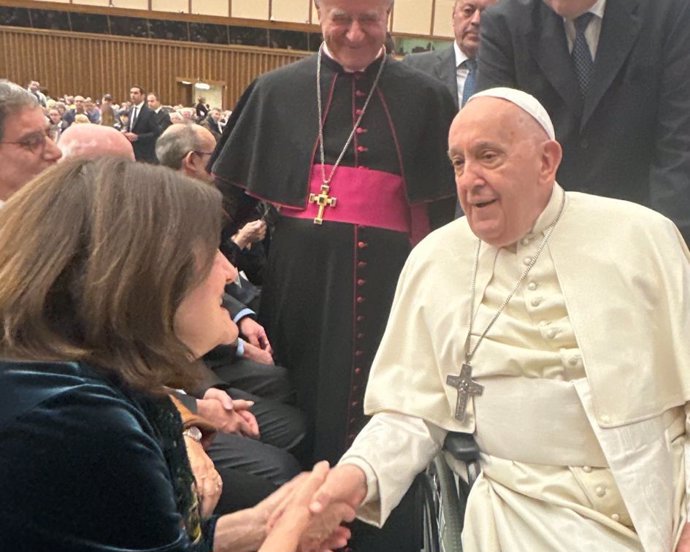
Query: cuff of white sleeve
[[370, 509]]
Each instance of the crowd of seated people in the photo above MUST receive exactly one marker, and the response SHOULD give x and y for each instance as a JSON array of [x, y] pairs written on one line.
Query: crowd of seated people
[[65, 110]]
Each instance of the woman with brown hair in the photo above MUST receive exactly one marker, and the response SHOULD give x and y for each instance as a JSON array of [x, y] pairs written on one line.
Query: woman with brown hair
[[110, 287]]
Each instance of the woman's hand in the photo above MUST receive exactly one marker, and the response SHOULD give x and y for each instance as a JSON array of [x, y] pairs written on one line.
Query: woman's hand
[[209, 484]]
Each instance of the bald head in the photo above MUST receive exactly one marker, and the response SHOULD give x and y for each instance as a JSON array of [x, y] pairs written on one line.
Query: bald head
[[94, 141]]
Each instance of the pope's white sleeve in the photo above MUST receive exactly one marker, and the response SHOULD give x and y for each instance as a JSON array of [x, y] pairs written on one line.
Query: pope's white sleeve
[[391, 450]]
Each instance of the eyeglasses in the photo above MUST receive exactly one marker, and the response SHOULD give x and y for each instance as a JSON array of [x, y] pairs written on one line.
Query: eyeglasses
[[202, 153], [35, 143]]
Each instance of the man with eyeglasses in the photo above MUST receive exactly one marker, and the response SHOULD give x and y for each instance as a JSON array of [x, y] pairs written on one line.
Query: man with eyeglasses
[[26, 148]]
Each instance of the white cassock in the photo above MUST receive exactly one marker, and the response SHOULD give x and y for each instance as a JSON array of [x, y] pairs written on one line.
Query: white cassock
[[586, 375]]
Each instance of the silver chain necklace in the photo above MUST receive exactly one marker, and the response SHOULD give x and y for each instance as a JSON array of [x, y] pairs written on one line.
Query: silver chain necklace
[[463, 382], [319, 103]]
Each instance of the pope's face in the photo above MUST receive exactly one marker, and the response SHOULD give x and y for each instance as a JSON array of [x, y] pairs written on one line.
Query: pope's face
[[354, 30], [504, 169]]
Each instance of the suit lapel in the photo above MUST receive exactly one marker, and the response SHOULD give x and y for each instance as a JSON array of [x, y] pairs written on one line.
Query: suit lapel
[[447, 72], [619, 30], [550, 50]]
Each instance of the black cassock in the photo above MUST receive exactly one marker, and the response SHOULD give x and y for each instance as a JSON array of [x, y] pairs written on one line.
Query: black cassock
[[328, 288]]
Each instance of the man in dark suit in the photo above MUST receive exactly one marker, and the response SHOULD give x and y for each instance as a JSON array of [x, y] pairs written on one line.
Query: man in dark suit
[[162, 116], [456, 66], [142, 129], [616, 85]]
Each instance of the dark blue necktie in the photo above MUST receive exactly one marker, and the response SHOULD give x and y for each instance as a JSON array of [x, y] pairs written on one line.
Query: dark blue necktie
[[582, 57], [468, 89]]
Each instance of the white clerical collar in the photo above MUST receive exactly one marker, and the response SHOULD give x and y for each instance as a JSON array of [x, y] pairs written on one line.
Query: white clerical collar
[[460, 56], [1, 203], [550, 212], [330, 55]]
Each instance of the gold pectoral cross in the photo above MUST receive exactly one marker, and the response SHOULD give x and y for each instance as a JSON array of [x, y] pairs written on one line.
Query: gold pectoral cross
[[323, 200], [466, 387]]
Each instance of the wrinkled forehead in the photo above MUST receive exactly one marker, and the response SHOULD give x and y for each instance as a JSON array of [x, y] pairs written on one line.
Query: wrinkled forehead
[[490, 120]]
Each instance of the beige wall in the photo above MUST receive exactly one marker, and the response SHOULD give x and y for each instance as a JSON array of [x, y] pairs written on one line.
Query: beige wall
[[415, 17]]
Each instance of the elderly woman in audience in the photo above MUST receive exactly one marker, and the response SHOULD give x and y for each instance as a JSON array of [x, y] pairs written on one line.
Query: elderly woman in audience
[[110, 288]]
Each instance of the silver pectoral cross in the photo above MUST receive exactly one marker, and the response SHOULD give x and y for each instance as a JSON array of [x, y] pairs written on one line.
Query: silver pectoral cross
[[466, 387]]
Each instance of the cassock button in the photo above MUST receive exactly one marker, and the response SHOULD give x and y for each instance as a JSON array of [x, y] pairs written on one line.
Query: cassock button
[[552, 333], [587, 469], [525, 240], [527, 260], [358, 370], [360, 318], [360, 299], [354, 403], [361, 264], [573, 360], [600, 490], [360, 335], [360, 130], [615, 517], [361, 282], [359, 353], [360, 93], [362, 245], [362, 149], [536, 302], [358, 112], [532, 286]]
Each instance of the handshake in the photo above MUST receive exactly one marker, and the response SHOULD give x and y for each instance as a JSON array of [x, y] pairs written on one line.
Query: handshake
[[306, 514]]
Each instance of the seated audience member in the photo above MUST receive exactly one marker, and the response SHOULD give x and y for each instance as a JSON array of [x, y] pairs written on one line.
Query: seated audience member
[[81, 119], [70, 114], [107, 111], [93, 141], [95, 325], [26, 145], [212, 121], [56, 123], [245, 370], [92, 111]]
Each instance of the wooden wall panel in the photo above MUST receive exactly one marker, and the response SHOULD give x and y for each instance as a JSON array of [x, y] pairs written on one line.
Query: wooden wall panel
[[91, 65], [443, 22], [411, 16]]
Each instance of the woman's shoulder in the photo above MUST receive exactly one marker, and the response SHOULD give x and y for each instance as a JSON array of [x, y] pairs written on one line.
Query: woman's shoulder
[[26, 384], [97, 470]]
